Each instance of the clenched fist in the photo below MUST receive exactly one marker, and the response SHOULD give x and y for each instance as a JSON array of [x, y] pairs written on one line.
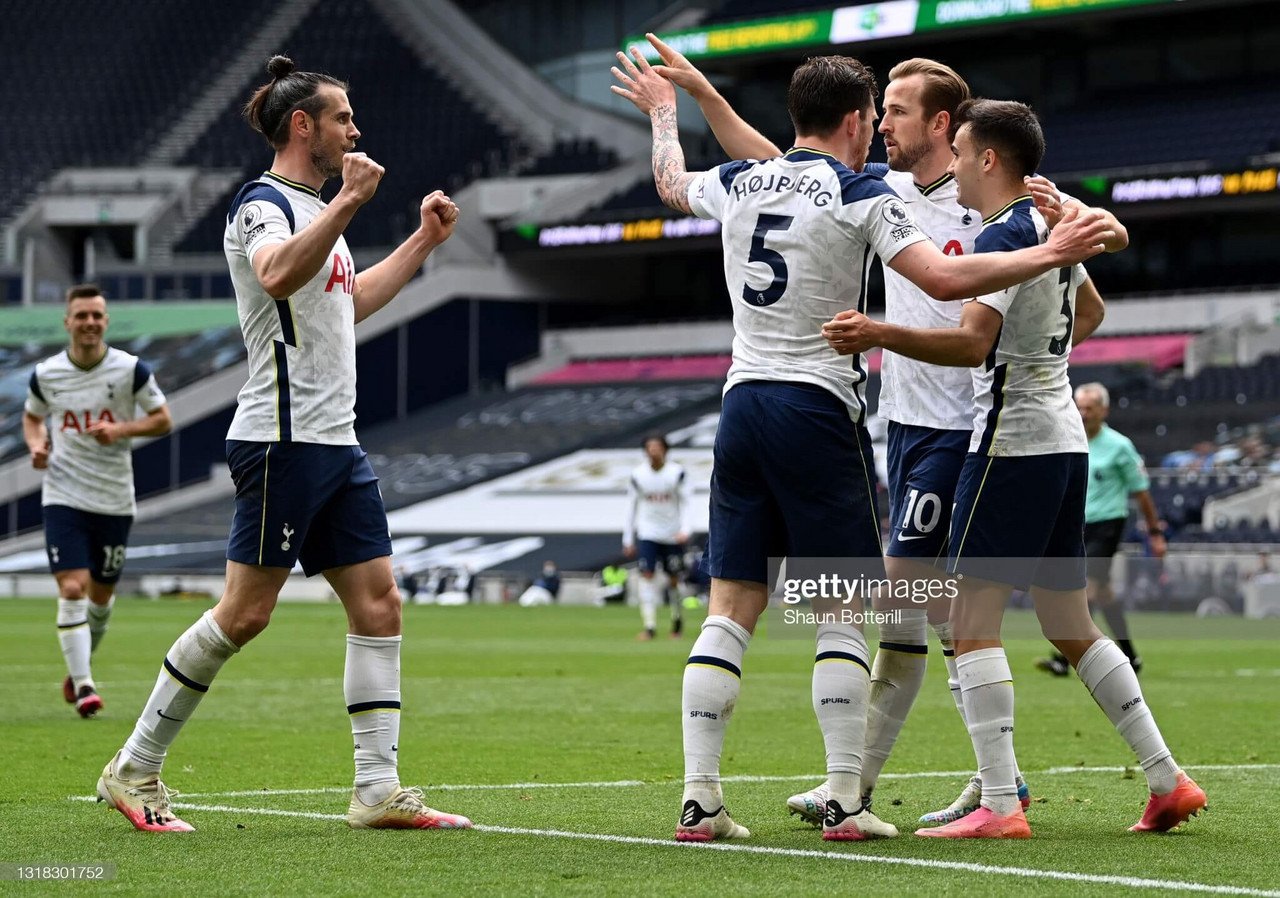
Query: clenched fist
[[439, 215], [360, 177]]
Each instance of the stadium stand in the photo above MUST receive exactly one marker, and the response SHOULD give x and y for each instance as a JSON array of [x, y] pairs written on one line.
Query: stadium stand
[[448, 145], [465, 441], [1231, 123], [571, 157], [123, 72]]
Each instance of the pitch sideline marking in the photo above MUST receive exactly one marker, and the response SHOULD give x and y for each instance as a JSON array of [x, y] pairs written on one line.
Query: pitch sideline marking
[[1135, 882], [742, 778]]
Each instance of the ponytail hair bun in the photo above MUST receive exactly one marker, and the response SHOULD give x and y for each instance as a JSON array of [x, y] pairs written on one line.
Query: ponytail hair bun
[[279, 66]]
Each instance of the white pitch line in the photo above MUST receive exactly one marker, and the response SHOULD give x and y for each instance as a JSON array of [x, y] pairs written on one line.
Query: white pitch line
[[1216, 767], [1168, 885], [742, 778]]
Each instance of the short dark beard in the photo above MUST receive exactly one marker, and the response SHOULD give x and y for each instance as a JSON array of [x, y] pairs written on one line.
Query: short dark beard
[[322, 165], [909, 156]]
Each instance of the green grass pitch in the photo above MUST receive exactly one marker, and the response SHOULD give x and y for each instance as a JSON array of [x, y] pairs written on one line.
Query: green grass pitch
[[499, 696]]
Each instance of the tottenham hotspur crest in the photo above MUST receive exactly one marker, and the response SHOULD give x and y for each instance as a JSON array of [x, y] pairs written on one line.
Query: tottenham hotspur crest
[[288, 532]]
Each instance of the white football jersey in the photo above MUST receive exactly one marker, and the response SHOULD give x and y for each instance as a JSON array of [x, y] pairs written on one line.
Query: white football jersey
[[658, 503], [799, 233], [1023, 402], [302, 350], [914, 392], [82, 473]]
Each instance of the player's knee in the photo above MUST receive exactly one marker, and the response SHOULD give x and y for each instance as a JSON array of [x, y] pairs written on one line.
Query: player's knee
[[381, 613], [249, 620], [72, 588], [248, 626]]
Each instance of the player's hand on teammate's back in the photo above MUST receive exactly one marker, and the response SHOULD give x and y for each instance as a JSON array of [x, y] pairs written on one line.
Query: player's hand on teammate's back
[[850, 331], [679, 70], [360, 177], [642, 84], [1080, 235], [439, 215]]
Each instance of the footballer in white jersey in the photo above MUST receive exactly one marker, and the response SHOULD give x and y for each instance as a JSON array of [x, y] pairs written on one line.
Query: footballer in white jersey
[[929, 408], [1029, 448], [302, 349], [298, 468], [78, 424], [913, 392], [659, 499], [305, 491], [84, 473], [1023, 400], [799, 232], [803, 226]]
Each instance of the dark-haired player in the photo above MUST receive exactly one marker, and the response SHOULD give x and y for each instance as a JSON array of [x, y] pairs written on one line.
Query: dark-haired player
[[659, 497], [305, 491], [89, 393], [1027, 463]]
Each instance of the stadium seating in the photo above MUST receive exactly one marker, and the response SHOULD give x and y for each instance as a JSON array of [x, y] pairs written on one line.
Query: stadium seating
[[418, 127], [572, 157], [1231, 123], [742, 9], [119, 76], [463, 441]]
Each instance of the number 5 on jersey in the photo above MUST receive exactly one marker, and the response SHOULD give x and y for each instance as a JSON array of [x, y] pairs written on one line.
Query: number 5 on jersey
[[771, 257]]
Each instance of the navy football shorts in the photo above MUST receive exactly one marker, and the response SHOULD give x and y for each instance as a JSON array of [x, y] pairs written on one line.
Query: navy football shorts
[[1020, 520], [306, 502]]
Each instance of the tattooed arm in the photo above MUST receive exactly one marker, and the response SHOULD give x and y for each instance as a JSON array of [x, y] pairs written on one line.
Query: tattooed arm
[[668, 160], [655, 96]]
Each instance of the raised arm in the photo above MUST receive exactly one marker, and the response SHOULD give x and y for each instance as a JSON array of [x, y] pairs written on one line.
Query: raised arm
[[963, 346], [284, 268], [737, 138], [1078, 237], [380, 284], [656, 97]]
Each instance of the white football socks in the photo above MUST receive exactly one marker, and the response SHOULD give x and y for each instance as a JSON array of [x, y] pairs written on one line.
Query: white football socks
[[1107, 673], [650, 595], [987, 686], [99, 616], [189, 668], [896, 678], [949, 659], [371, 686], [841, 686], [712, 680], [73, 635]]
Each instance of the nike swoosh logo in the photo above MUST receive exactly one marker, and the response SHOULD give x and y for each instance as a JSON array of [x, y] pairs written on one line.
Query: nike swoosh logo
[[903, 539], [167, 717]]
